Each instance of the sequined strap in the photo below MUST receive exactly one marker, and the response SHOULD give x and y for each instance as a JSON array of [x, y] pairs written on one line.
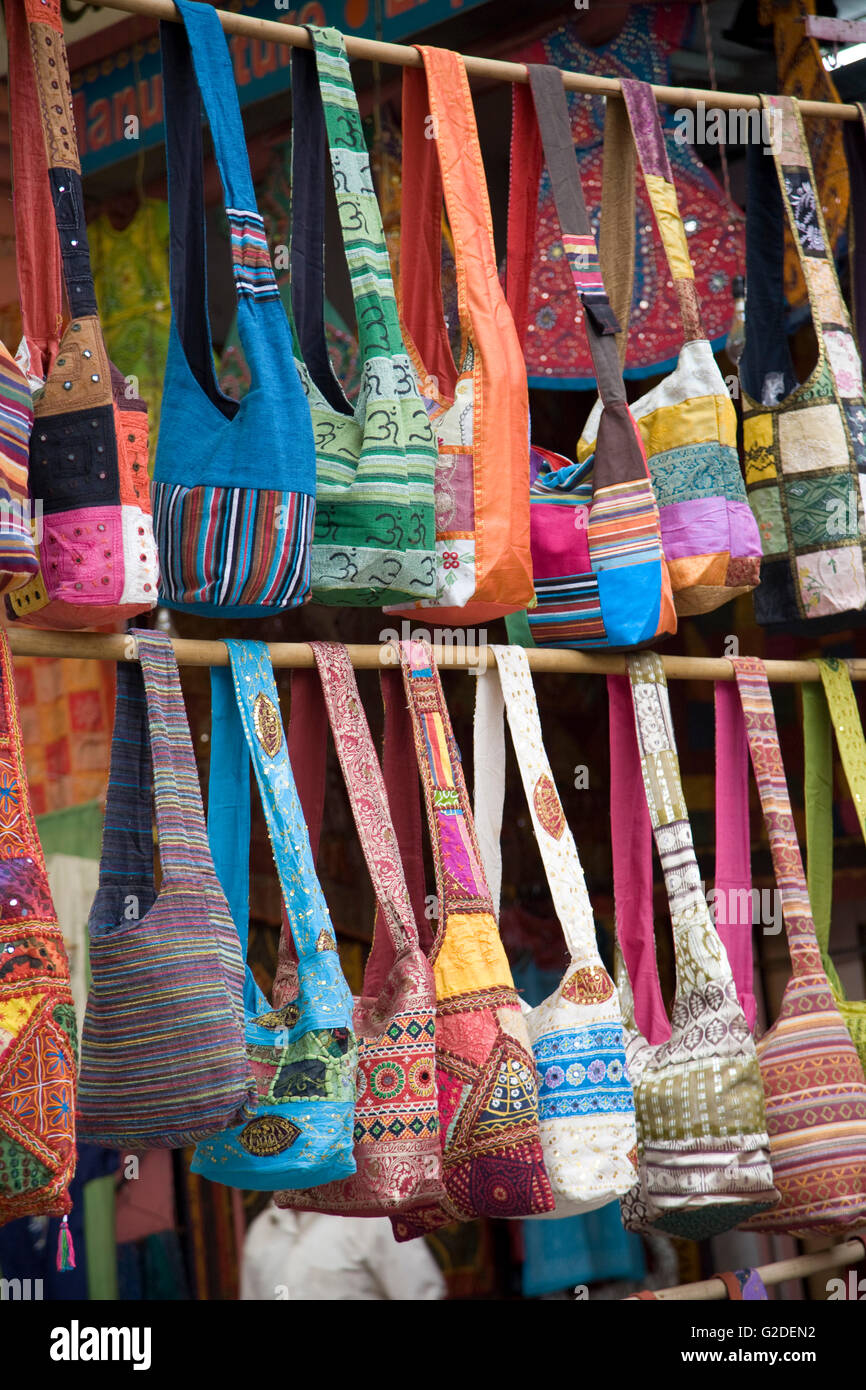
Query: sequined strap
[[652, 152], [733, 883], [776, 804], [668, 812], [555, 840], [51, 72]]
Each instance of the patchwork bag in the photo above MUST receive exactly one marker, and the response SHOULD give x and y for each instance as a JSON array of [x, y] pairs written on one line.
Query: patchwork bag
[[688, 422], [805, 443], [38, 1035], [832, 704], [374, 540], [813, 1079], [162, 1047], [599, 573], [479, 406], [302, 1049], [703, 1150], [234, 482], [397, 1145], [585, 1099], [485, 1074], [88, 448]]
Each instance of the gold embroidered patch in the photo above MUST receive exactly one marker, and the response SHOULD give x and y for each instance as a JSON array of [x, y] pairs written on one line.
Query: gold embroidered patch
[[267, 724], [589, 985], [270, 1134], [286, 1017], [548, 808], [325, 942]]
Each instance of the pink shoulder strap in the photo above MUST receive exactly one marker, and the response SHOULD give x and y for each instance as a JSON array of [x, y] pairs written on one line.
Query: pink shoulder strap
[[631, 842], [733, 886]]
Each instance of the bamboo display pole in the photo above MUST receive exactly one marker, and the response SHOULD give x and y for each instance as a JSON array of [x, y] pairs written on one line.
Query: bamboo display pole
[[798, 1267], [405, 56], [98, 646]]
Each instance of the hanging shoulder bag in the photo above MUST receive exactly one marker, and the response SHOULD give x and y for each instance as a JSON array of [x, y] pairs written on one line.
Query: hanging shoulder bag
[[585, 1099], [374, 541], [234, 482], [38, 1035], [813, 1079], [88, 448], [688, 422], [599, 573], [162, 1048], [302, 1048], [703, 1149]]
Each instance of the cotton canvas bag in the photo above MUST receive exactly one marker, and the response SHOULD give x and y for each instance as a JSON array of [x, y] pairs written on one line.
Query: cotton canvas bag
[[479, 406], [485, 1074], [805, 444], [703, 1148], [234, 482], [374, 541], [302, 1050], [813, 1079], [585, 1099], [599, 574], [397, 1145], [38, 1034], [88, 447], [688, 422], [162, 1047], [832, 704]]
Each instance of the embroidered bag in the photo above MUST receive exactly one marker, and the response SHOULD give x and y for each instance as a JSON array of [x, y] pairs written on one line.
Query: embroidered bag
[[600, 576], [38, 1035], [397, 1146], [88, 449], [688, 422], [703, 1150], [585, 1099], [234, 482], [162, 1055], [833, 703], [485, 1074], [302, 1051], [805, 443], [813, 1081], [479, 406], [375, 459]]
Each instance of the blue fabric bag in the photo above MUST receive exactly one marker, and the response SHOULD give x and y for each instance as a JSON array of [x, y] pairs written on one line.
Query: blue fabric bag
[[235, 482], [303, 1053]]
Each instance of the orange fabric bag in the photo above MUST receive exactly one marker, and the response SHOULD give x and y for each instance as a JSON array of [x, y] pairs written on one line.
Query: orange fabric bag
[[480, 408]]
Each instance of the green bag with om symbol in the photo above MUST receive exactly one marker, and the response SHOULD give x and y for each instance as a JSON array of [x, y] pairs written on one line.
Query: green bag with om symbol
[[374, 540]]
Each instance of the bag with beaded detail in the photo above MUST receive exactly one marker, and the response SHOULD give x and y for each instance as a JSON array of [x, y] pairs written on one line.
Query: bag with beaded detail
[[88, 449]]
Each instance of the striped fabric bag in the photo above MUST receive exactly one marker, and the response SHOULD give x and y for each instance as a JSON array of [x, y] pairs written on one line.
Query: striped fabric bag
[[234, 482], [703, 1149], [813, 1079], [599, 572], [162, 1049]]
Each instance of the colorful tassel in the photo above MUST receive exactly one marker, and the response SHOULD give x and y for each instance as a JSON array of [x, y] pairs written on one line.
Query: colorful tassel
[[65, 1248]]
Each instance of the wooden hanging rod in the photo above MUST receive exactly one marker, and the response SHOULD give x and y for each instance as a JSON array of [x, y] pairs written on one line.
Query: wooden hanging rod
[[94, 646], [404, 56], [851, 1253]]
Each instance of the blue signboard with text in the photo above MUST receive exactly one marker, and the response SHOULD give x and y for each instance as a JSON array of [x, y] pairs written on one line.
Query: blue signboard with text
[[118, 100]]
